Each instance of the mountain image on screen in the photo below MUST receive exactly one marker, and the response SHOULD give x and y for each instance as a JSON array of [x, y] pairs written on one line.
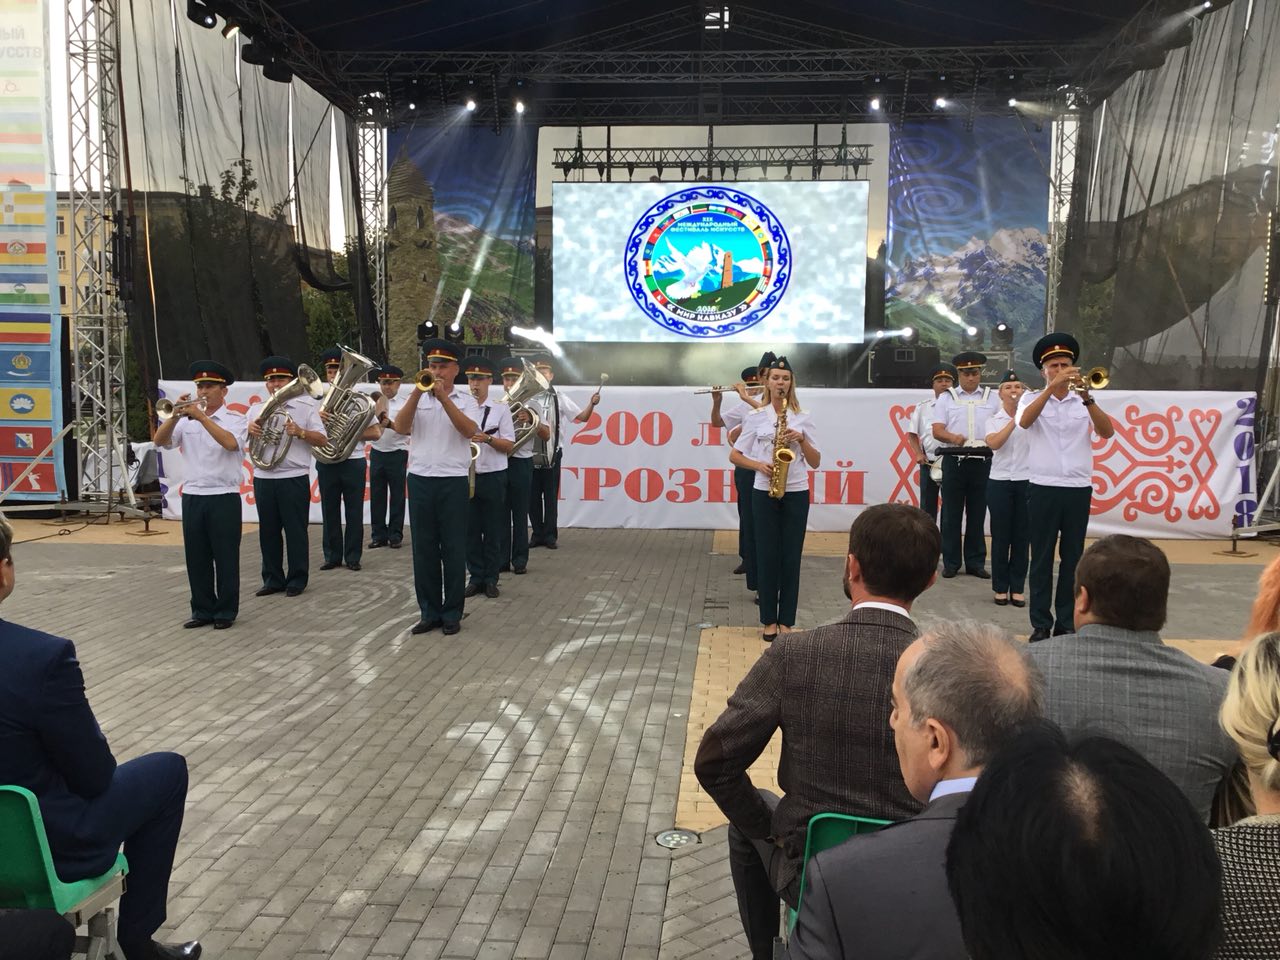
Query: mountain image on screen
[[696, 280]]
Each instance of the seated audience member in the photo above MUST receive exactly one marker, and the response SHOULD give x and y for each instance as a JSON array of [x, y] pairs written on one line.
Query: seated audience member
[[1250, 849], [1114, 676], [828, 689], [960, 693], [1082, 850], [51, 744], [35, 935]]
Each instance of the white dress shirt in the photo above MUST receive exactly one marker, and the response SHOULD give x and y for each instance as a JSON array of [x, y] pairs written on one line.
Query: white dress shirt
[[1060, 442], [494, 419], [922, 427], [210, 468], [734, 416], [562, 413], [1010, 461], [526, 451], [391, 441], [756, 442], [965, 413], [436, 448], [297, 463]]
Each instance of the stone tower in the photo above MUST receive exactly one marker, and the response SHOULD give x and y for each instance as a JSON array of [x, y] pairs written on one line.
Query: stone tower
[[726, 274], [413, 259]]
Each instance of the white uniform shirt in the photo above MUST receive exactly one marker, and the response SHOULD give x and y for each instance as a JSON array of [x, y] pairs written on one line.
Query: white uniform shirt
[[756, 442], [210, 468], [494, 419], [734, 416], [922, 427], [297, 463], [1060, 442], [1010, 461], [391, 441], [526, 451], [436, 448], [563, 413], [965, 413]]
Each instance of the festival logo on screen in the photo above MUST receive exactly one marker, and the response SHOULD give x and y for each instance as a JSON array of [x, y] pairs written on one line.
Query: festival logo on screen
[[707, 262]]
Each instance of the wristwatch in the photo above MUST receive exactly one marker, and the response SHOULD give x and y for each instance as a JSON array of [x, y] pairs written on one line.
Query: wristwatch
[[1088, 401]]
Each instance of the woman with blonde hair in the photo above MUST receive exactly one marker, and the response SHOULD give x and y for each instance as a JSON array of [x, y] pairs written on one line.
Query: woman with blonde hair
[[779, 521], [1250, 849]]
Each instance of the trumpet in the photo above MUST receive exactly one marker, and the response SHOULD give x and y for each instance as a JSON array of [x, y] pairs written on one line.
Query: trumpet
[[424, 380], [1095, 379], [167, 409]]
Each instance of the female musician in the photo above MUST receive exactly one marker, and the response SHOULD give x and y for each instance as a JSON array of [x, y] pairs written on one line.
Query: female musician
[[779, 523], [1007, 495]]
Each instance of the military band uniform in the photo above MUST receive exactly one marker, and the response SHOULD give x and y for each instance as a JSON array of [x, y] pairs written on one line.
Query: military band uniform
[[439, 461], [211, 504], [744, 478], [964, 479], [388, 466], [1060, 493], [922, 427], [779, 524], [488, 507], [342, 488], [283, 494], [557, 412], [1007, 504], [514, 545]]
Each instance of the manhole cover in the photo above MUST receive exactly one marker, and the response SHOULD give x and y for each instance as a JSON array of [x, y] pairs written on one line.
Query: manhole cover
[[676, 838]]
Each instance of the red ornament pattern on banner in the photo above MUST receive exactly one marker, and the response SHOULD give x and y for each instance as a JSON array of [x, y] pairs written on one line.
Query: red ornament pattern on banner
[[1150, 465], [903, 460]]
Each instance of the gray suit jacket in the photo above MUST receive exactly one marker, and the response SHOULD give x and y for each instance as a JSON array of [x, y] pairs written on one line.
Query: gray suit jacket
[[883, 895], [1158, 700]]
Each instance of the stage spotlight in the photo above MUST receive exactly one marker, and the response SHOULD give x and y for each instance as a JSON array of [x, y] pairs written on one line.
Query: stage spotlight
[[277, 71], [875, 103], [972, 338], [231, 29], [1013, 101], [199, 12], [454, 333], [520, 106], [910, 336], [1002, 335], [470, 105], [940, 103], [257, 53], [428, 331]]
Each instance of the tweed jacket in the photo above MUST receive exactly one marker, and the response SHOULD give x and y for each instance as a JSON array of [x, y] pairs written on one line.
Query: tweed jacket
[[1250, 855], [830, 690], [853, 894], [1155, 698]]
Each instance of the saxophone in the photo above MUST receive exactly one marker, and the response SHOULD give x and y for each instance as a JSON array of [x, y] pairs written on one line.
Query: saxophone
[[783, 456]]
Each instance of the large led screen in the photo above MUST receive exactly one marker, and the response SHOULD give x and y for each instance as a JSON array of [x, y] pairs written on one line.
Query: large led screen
[[765, 262]]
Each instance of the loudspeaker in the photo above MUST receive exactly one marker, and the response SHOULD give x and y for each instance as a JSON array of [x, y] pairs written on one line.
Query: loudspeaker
[[893, 365]]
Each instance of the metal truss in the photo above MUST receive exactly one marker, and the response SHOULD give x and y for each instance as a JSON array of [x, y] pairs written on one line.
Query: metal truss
[[738, 160], [1062, 174], [372, 161], [1035, 64], [98, 325]]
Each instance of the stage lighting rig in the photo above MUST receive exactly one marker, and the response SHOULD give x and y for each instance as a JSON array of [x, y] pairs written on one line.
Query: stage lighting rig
[[428, 330], [470, 96], [277, 70], [971, 338], [257, 53], [231, 28], [200, 12], [943, 93], [454, 332], [1002, 336]]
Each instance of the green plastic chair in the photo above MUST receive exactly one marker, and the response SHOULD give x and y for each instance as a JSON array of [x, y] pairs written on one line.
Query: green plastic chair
[[827, 830], [29, 882]]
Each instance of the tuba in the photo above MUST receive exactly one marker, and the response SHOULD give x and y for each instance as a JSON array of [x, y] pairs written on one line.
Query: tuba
[[350, 412], [783, 456], [530, 384], [268, 450]]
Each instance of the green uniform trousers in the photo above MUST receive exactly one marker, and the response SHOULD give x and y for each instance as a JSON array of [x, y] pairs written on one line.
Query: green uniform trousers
[[211, 539], [515, 532], [438, 516], [342, 492], [1056, 516], [780, 526], [386, 488], [488, 511], [283, 505]]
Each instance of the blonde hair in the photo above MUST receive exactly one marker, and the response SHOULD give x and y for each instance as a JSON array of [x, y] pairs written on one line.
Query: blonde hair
[[793, 401], [1265, 615], [1250, 712]]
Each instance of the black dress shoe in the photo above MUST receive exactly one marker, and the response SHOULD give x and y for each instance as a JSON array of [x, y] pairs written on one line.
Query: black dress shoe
[[354, 565], [979, 572], [1062, 631], [268, 591], [535, 543], [472, 589], [452, 627], [551, 545], [221, 624], [375, 544], [768, 637], [330, 565], [394, 544], [491, 591], [520, 569], [739, 569], [196, 622], [505, 568], [425, 626], [154, 950], [1018, 603], [293, 591], [1001, 601], [949, 572], [1038, 634]]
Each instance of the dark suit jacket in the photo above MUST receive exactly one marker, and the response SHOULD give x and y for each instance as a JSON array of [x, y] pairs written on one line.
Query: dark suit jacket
[[51, 743], [883, 895], [829, 689]]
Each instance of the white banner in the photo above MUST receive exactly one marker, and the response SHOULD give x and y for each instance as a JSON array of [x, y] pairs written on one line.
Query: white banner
[[1179, 466]]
